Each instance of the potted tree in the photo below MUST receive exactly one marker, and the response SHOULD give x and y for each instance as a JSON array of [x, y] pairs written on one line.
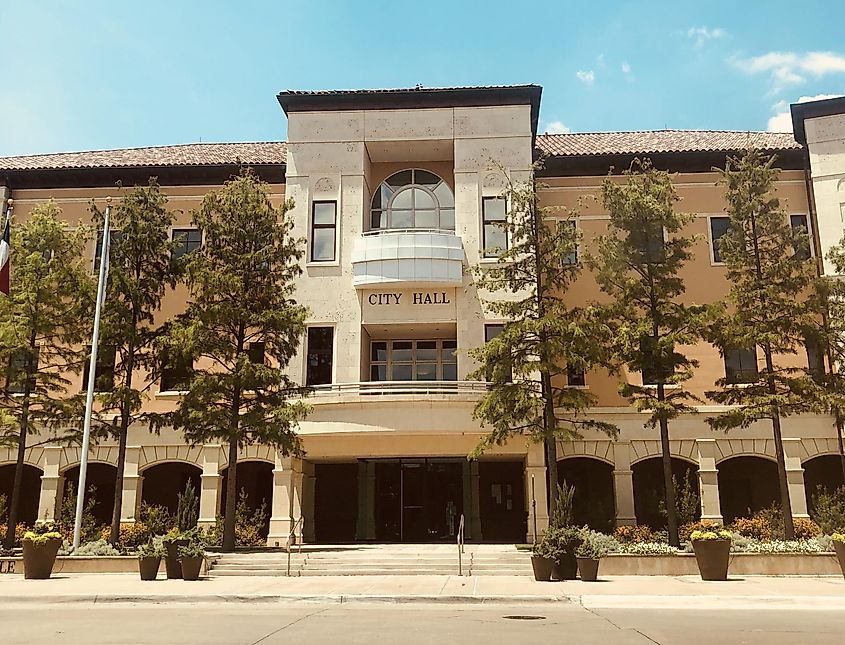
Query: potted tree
[[542, 560], [588, 554], [40, 546], [173, 541], [564, 542], [839, 547], [712, 553], [149, 560], [191, 557]]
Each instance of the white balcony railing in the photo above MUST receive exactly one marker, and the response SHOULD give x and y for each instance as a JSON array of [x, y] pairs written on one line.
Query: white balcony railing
[[413, 257], [401, 387]]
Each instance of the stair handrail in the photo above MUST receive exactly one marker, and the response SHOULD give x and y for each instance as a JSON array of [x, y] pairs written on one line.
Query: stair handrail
[[292, 540], [460, 541]]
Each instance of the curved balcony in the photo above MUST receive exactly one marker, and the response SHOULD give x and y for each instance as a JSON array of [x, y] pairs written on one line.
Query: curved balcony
[[420, 257], [382, 388]]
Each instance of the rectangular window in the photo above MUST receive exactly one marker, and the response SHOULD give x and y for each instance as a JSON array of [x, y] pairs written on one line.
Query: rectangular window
[[413, 360], [15, 381], [649, 242], [176, 375], [741, 365], [319, 366], [571, 258], [718, 228], [104, 372], [114, 234], [188, 240], [255, 352], [494, 213], [804, 246], [815, 358], [491, 332], [323, 231], [575, 377], [651, 371]]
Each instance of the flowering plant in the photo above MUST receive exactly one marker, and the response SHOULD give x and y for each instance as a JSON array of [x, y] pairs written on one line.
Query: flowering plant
[[41, 538], [838, 537], [720, 534]]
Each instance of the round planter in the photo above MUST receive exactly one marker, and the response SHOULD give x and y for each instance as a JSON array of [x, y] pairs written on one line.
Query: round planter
[[588, 568], [38, 559], [839, 547], [148, 567], [171, 561], [712, 557], [191, 567], [566, 568], [542, 568]]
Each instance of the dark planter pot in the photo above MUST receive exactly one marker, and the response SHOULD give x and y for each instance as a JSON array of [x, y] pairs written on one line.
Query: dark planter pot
[[712, 557], [542, 568], [191, 568], [588, 568], [566, 568], [171, 561], [839, 547], [38, 559], [148, 568]]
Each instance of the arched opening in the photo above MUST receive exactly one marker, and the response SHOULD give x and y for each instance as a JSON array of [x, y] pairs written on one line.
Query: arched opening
[[412, 199], [100, 479], [823, 472], [650, 491], [594, 503], [255, 482], [30, 492], [746, 485], [163, 483]]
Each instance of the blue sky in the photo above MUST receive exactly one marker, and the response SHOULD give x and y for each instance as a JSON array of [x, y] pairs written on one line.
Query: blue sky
[[93, 74]]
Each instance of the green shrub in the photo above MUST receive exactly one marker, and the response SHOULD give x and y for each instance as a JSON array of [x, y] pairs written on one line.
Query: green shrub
[[187, 509], [250, 525], [634, 534], [828, 510], [767, 525], [562, 515], [90, 530], [156, 518], [96, 547]]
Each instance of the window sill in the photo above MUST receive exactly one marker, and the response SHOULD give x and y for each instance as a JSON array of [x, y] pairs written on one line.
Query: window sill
[[170, 394], [667, 386], [577, 387], [738, 386], [327, 263]]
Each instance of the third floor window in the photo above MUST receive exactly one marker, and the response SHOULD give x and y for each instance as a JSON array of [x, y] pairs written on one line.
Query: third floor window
[[413, 199]]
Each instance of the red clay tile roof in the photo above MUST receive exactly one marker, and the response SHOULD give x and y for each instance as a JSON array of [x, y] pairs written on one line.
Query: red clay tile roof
[[190, 154], [660, 141]]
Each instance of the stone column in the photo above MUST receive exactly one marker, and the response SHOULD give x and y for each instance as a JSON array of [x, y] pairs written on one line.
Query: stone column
[[795, 477], [132, 486], [623, 484], [708, 480], [309, 482], [285, 499], [296, 514], [52, 484], [210, 485], [535, 481]]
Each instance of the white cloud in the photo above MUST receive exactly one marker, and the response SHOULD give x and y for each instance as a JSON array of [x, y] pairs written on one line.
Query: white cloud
[[586, 76], [781, 121], [557, 127], [626, 68], [701, 35], [791, 68]]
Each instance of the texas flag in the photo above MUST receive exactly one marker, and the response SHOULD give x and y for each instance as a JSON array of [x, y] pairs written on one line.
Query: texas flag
[[4, 258]]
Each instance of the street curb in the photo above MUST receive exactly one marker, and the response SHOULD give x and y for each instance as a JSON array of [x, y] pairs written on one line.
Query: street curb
[[709, 602], [340, 599]]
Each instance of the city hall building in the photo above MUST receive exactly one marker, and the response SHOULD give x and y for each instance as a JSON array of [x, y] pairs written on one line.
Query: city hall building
[[398, 195]]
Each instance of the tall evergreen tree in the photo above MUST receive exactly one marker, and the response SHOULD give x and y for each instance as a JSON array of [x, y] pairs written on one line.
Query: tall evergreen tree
[[140, 271], [242, 326], [638, 263], [544, 338], [767, 308], [43, 323]]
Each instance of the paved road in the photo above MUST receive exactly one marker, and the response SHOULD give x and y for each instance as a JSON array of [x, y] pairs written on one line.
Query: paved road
[[410, 624]]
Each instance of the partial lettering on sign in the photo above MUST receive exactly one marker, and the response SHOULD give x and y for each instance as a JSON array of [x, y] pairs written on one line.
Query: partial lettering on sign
[[7, 566]]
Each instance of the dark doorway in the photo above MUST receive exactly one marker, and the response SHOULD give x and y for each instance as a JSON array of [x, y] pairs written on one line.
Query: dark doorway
[[100, 478], [822, 472], [747, 485], [30, 492], [594, 503], [255, 485], [163, 483], [502, 501], [418, 500], [650, 492], [335, 502]]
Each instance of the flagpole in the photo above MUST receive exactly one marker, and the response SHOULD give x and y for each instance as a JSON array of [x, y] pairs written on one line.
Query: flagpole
[[92, 372]]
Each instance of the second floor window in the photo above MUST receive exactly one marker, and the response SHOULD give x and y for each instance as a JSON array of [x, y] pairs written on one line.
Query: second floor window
[[504, 370], [318, 370], [650, 243], [413, 360], [104, 372], [571, 258], [804, 245], [323, 231], [114, 234], [718, 228], [740, 365], [495, 236], [188, 240], [575, 377], [176, 375], [15, 375], [651, 369]]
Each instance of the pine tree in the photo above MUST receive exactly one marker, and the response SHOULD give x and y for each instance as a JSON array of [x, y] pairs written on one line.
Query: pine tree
[[767, 308], [242, 294], [543, 340], [649, 320], [43, 323], [140, 270]]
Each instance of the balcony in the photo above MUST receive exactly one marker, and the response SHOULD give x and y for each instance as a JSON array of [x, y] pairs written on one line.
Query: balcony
[[472, 389], [416, 257]]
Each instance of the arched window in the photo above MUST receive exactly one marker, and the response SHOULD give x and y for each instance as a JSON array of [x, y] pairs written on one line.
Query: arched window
[[413, 199]]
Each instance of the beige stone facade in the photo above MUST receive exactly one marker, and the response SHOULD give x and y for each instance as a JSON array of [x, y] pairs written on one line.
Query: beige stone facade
[[386, 443]]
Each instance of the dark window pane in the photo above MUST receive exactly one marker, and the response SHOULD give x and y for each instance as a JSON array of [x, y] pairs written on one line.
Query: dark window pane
[[15, 381], [450, 372], [115, 235], [491, 331], [399, 179], [449, 349], [402, 372], [718, 228], [427, 350], [575, 377], [256, 353], [649, 241], [802, 245], [378, 220], [426, 371], [176, 375], [104, 373], [402, 351], [378, 372], [570, 258], [425, 178], [506, 371], [651, 367], [189, 240], [740, 365], [815, 358], [319, 363], [378, 351]]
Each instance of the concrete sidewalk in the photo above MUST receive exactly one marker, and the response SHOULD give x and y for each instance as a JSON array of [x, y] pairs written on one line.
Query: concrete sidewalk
[[615, 592]]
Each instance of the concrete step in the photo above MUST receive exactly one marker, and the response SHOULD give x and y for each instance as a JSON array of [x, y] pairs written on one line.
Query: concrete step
[[264, 573]]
